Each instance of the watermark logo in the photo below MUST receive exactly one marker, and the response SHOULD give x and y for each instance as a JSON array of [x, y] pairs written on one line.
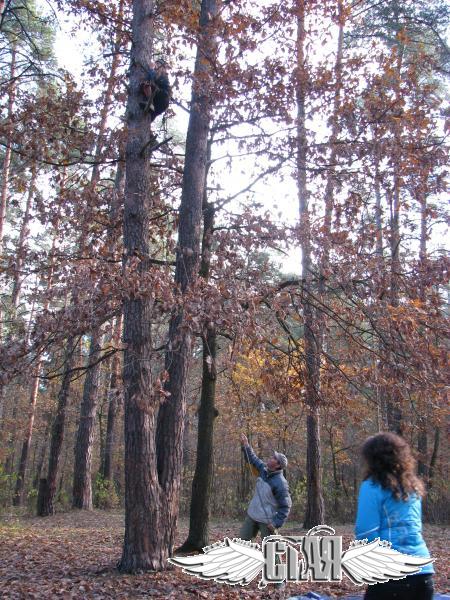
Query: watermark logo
[[311, 557]]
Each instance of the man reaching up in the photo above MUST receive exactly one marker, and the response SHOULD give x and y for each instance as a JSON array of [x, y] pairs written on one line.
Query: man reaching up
[[271, 502]]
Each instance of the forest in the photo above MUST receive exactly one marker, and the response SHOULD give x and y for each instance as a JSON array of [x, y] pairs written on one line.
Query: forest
[[217, 217]]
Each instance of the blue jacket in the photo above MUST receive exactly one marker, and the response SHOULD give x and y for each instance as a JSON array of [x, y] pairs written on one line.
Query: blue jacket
[[271, 502], [397, 521]]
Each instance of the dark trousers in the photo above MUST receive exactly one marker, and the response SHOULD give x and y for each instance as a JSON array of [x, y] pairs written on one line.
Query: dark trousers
[[414, 587], [250, 528]]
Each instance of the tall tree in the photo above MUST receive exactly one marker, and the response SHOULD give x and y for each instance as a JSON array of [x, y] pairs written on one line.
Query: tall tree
[[199, 515], [142, 548], [82, 484], [153, 463], [12, 91], [82, 478], [314, 505], [26, 444], [114, 391], [171, 415], [106, 470], [47, 486]]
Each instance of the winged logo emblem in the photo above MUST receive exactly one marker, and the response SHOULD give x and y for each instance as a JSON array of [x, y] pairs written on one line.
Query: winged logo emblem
[[232, 561], [238, 562]]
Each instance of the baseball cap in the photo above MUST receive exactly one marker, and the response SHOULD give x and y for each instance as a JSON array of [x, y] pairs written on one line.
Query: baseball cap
[[281, 458]]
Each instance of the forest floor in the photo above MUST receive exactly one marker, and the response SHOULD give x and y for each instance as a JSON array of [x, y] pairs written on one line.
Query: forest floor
[[73, 556]]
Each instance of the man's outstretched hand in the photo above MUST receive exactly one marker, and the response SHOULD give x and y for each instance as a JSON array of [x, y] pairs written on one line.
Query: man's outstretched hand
[[244, 440]]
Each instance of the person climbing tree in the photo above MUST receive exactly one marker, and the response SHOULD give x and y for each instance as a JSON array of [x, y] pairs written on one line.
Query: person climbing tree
[[157, 91]]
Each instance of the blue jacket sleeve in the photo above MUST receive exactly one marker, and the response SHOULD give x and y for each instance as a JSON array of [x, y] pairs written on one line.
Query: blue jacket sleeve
[[253, 459], [151, 74], [283, 498], [368, 516]]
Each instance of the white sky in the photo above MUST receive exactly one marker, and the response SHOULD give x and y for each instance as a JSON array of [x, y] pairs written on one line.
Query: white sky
[[71, 50]]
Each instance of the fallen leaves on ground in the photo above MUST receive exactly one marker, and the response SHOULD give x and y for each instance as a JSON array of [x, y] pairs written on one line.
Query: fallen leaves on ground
[[73, 556]]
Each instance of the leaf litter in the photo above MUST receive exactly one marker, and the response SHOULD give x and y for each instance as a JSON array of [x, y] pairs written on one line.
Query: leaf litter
[[73, 556]]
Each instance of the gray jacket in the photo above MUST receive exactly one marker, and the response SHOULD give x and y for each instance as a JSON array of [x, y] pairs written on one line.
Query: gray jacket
[[271, 502]]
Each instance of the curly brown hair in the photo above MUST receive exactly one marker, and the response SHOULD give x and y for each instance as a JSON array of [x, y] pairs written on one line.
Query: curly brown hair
[[390, 462]]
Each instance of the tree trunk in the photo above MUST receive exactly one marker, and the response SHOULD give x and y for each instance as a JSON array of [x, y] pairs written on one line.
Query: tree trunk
[[18, 494], [5, 184], [47, 492], [8, 151], [422, 448], [15, 295], [41, 459], [198, 536], [143, 506], [331, 175], [113, 394], [325, 271], [394, 408], [314, 506], [18, 497], [378, 206], [171, 416], [337, 482], [107, 100], [381, 395], [394, 412], [82, 479], [113, 402], [424, 409], [24, 230], [152, 486], [434, 455]]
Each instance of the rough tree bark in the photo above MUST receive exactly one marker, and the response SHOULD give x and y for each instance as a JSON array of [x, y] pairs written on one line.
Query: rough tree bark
[[424, 411], [113, 393], [18, 494], [434, 455], [11, 444], [394, 403], [198, 536], [141, 547], [199, 515], [152, 482], [170, 428], [47, 487], [5, 180], [41, 457], [15, 295], [82, 481], [113, 403], [325, 270], [314, 504], [24, 231], [381, 395], [7, 158]]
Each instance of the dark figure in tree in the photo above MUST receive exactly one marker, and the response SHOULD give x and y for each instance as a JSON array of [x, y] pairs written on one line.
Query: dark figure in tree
[[157, 91]]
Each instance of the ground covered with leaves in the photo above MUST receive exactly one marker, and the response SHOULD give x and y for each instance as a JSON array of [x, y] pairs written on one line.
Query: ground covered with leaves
[[74, 556]]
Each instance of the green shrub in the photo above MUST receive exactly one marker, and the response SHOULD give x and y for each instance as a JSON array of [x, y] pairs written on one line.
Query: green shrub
[[7, 483], [105, 493], [63, 500]]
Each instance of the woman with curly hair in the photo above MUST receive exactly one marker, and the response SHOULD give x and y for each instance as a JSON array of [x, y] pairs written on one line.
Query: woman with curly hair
[[390, 508]]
